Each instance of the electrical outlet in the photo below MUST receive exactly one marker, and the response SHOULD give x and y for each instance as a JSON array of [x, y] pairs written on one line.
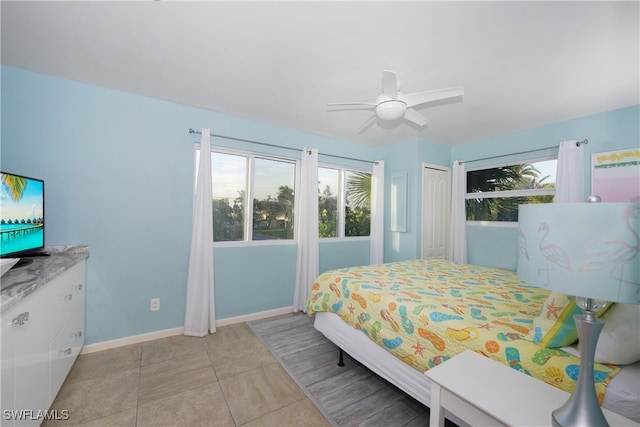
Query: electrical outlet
[[155, 304]]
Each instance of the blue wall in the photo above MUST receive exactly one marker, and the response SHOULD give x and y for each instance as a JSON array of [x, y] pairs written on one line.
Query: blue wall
[[118, 170], [614, 130], [408, 157]]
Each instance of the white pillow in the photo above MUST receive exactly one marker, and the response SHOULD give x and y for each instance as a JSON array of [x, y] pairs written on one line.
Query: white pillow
[[619, 341]]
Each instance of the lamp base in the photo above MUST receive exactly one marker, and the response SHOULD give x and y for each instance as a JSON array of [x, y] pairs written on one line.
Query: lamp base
[[582, 408]]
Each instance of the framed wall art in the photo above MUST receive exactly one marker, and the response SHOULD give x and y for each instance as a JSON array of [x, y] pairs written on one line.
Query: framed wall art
[[615, 175]]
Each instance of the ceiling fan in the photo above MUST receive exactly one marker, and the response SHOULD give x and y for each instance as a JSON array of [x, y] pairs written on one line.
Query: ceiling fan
[[392, 104]]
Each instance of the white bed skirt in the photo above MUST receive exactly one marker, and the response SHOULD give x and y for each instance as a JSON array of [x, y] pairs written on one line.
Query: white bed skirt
[[622, 397]]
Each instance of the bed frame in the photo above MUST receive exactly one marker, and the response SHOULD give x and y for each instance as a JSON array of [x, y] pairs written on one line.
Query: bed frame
[[621, 397]]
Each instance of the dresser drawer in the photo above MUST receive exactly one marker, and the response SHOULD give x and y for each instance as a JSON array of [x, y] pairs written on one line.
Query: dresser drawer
[[68, 291], [28, 324], [65, 347]]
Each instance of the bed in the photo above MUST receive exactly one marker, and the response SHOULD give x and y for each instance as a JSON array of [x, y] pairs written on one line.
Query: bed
[[402, 318]]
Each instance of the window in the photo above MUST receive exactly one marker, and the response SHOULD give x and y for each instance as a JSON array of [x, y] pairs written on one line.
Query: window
[[344, 202], [493, 194], [229, 188], [273, 199], [269, 182], [328, 182]]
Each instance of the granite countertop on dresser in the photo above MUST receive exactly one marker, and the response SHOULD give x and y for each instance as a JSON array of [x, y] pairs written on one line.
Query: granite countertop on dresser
[[18, 283]]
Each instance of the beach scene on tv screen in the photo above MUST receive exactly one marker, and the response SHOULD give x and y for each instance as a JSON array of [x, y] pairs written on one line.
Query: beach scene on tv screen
[[21, 214]]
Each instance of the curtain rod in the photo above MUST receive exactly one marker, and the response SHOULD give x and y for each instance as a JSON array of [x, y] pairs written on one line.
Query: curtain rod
[[191, 131], [578, 143]]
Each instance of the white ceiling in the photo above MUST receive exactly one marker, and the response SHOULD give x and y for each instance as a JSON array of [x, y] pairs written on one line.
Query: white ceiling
[[522, 64]]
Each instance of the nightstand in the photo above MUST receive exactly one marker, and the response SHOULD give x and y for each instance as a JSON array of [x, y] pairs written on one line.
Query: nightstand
[[481, 391]]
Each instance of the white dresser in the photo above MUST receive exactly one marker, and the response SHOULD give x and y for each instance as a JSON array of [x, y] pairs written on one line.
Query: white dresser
[[42, 334]]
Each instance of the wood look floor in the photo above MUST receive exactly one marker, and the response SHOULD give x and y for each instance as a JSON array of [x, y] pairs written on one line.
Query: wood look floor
[[229, 379], [348, 396]]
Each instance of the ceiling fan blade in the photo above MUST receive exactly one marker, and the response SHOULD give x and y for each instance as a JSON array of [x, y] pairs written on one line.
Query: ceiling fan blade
[[418, 98], [390, 84], [357, 105], [416, 118], [367, 124]]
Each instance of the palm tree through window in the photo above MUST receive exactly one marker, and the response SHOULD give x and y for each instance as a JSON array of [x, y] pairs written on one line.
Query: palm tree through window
[[493, 194]]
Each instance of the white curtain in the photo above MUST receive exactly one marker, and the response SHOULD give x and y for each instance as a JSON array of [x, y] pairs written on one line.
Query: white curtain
[[458, 240], [376, 238], [570, 173], [307, 229], [200, 316]]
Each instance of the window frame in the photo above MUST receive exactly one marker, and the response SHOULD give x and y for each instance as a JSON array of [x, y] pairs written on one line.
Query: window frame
[[249, 177], [342, 203], [507, 193]]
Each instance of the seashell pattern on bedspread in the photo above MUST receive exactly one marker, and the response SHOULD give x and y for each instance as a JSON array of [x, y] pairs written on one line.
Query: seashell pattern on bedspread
[[427, 311]]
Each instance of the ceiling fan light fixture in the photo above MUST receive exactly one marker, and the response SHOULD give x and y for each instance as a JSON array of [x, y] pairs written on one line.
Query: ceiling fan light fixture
[[391, 110], [393, 105]]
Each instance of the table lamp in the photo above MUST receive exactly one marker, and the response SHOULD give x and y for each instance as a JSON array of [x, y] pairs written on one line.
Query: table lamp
[[589, 250]]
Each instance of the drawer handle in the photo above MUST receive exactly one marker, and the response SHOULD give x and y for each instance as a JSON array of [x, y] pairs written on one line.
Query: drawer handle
[[66, 352], [78, 334], [79, 286], [68, 297], [20, 319]]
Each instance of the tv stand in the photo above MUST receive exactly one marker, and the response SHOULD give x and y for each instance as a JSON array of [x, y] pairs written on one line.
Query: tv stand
[[28, 258], [23, 262], [39, 253]]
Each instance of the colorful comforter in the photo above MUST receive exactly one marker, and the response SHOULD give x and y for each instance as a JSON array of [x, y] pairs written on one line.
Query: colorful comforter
[[427, 311]]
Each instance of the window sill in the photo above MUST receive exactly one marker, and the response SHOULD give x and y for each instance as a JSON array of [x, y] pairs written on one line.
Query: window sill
[[254, 243], [497, 224], [343, 239]]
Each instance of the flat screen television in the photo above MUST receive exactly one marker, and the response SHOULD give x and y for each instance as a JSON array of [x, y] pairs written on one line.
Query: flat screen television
[[21, 216]]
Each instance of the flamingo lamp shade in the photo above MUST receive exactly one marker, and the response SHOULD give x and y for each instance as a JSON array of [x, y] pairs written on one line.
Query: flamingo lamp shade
[[589, 250]]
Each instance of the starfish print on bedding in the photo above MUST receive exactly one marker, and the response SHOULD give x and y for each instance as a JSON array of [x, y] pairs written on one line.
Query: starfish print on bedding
[[553, 310], [484, 326], [418, 348], [351, 308]]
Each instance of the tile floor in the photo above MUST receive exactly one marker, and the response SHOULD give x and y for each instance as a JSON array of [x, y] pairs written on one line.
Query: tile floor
[[226, 379]]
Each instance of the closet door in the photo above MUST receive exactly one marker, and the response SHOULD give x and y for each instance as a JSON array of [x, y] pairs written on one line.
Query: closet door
[[436, 207]]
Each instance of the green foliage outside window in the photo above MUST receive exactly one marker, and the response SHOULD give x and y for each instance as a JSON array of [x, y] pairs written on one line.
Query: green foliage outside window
[[228, 221], [510, 178], [357, 207], [357, 222], [273, 217], [327, 214]]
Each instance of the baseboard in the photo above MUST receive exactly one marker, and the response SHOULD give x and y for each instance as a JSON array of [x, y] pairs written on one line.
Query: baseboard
[[134, 339], [150, 336], [255, 316]]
